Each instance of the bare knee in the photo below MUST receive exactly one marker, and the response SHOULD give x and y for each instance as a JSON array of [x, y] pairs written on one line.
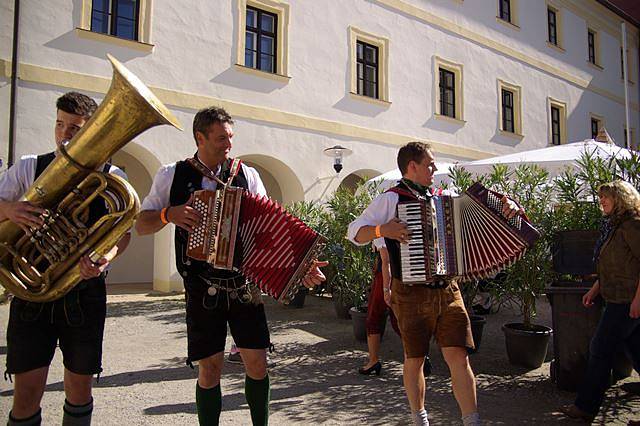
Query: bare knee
[[209, 371], [77, 387], [456, 358], [255, 362], [28, 391]]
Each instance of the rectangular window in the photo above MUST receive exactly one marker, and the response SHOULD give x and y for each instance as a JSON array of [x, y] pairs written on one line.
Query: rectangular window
[[261, 40], [115, 17], [447, 93], [367, 69], [555, 126], [505, 10], [591, 41], [595, 128], [507, 111], [552, 23]]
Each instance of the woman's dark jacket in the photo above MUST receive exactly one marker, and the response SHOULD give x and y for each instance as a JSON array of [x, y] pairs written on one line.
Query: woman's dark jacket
[[619, 262]]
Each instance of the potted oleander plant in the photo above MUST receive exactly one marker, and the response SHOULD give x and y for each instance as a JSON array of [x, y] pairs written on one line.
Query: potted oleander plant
[[523, 282], [351, 265], [314, 215]]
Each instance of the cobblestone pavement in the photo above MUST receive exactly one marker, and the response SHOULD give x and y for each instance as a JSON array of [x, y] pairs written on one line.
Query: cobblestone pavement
[[145, 380]]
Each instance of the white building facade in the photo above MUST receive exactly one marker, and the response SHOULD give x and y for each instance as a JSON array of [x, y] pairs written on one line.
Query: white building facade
[[475, 78]]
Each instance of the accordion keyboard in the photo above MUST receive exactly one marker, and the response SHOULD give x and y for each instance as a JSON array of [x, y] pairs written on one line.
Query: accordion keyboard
[[412, 254]]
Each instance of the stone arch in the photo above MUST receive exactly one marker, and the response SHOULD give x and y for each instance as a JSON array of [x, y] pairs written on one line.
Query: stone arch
[[136, 266], [352, 180], [281, 182]]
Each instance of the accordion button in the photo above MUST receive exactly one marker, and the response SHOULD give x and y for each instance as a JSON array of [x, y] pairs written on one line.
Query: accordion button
[[212, 291]]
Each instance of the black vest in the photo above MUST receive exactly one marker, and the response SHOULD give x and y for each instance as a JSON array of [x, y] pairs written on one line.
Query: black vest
[[185, 181], [97, 208]]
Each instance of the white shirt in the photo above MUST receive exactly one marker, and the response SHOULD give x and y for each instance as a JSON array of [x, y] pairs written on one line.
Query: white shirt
[[381, 210], [159, 194], [15, 182]]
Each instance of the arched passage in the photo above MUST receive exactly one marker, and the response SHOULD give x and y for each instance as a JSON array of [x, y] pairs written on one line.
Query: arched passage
[[281, 182], [136, 265], [352, 180]]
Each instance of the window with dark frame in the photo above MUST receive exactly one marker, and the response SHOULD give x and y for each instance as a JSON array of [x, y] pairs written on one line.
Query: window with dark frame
[[261, 41], [505, 10], [591, 40], [595, 127], [447, 93], [367, 69], [507, 111], [552, 21], [555, 125], [118, 18]]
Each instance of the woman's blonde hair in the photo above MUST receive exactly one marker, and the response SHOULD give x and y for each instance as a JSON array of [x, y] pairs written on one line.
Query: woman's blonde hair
[[626, 199]]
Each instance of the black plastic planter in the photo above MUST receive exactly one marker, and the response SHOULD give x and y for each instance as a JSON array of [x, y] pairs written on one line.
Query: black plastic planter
[[526, 347]]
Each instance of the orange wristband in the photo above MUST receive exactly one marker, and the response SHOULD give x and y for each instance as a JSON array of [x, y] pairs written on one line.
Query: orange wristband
[[163, 215], [378, 234]]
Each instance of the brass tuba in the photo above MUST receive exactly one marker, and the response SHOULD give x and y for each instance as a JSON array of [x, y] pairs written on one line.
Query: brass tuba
[[42, 265]]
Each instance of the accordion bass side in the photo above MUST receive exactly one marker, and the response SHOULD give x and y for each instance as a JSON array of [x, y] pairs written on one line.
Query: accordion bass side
[[466, 237], [276, 248]]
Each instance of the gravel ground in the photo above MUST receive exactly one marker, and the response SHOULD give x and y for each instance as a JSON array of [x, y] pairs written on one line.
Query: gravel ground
[[145, 380]]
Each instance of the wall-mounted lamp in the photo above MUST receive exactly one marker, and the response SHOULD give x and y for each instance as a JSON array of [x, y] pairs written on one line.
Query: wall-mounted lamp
[[337, 152]]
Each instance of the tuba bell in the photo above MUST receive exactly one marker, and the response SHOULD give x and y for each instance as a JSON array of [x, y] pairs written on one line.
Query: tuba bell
[[41, 265]]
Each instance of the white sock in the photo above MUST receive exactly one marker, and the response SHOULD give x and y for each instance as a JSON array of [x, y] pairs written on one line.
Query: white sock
[[420, 418], [472, 419]]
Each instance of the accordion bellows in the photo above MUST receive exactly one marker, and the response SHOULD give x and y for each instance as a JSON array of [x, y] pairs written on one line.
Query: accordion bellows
[[277, 248], [465, 237]]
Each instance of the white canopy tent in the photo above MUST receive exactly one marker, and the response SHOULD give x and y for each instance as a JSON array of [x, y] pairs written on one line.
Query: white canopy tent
[[554, 159]]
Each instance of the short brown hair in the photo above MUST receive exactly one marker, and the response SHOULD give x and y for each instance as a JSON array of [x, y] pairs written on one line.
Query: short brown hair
[[208, 116], [77, 103], [413, 151]]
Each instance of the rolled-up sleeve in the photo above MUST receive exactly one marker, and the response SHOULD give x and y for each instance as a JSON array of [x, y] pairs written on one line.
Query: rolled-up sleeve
[[253, 180], [158, 197], [381, 210], [15, 182]]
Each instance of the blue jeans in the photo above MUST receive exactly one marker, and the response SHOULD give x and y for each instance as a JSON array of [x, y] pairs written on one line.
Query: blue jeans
[[615, 328]]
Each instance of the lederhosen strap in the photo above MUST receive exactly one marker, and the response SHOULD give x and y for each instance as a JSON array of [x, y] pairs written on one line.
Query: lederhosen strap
[[208, 173]]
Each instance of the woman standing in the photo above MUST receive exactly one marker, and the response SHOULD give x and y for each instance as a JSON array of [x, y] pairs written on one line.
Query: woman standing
[[617, 254]]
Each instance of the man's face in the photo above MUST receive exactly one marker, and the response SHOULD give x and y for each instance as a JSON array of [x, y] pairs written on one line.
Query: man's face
[[422, 172], [67, 125], [216, 143]]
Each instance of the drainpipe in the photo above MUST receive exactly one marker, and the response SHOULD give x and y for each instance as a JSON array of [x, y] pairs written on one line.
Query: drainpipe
[[14, 83]]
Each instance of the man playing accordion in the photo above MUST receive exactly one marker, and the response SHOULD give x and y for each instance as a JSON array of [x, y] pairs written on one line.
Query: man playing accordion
[[423, 311], [214, 297]]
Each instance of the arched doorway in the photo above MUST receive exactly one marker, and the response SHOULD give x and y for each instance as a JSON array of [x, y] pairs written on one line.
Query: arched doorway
[[281, 182], [352, 180], [136, 265]]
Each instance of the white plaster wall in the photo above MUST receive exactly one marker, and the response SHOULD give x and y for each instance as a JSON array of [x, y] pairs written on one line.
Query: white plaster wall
[[195, 50]]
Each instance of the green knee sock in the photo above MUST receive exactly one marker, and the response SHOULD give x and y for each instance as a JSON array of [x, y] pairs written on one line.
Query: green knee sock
[[209, 405], [258, 393]]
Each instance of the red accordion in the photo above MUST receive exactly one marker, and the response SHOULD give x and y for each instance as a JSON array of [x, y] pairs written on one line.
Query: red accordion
[[277, 248]]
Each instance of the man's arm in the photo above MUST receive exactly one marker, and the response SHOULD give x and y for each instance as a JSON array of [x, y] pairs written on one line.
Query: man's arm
[[381, 212], [90, 269], [184, 216]]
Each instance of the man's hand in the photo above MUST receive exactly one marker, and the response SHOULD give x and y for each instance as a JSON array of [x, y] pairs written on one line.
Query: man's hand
[[634, 311], [89, 269], [314, 275], [396, 230], [23, 214], [184, 216], [510, 208]]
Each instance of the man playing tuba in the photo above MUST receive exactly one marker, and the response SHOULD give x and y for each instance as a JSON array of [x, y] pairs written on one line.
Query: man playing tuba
[[76, 320]]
